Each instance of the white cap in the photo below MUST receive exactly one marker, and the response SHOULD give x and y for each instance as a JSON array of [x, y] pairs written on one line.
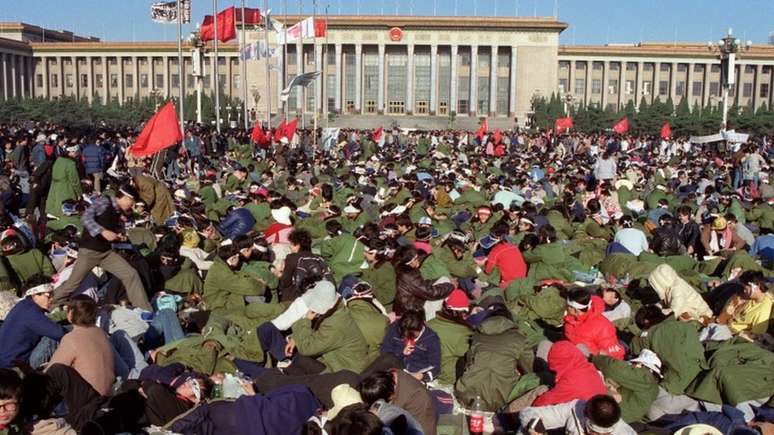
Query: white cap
[[351, 209], [649, 359], [321, 298], [282, 215]]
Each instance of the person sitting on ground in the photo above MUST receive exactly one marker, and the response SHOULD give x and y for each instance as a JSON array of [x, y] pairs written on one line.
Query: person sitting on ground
[[749, 313], [600, 415], [678, 296], [586, 325], [576, 378], [10, 400], [398, 388], [415, 345]]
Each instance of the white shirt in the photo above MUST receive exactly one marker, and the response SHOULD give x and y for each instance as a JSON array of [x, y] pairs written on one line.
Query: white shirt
[[632, 239], [568, 416]]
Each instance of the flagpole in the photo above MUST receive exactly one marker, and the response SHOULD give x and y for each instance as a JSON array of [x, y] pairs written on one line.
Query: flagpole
[[324, 77], [215, 68], [300, 46], [244, 67], [314, 45], [266, 25], [285, 58], [181, 83]]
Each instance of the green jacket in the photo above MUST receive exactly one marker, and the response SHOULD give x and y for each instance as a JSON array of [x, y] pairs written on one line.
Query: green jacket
[[497, 358], [350, 225], [462, 268], [185, 281], [225, 289], [233, 183], [65, 184], [344, 254], [335, 343], [30, 263], [261, 213], [551, 262], [455, 342], [762, 214], [677, 345], [433, 268], [562, 226], [371, 323], [383, 280], [637, 385]]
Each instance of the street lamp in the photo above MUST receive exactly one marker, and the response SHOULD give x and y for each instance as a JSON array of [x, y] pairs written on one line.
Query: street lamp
[[567, 103], [727, 49], [197, 54], [228, 113]]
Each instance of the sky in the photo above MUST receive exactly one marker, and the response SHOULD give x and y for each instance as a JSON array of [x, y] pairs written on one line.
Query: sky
[[590, 21]]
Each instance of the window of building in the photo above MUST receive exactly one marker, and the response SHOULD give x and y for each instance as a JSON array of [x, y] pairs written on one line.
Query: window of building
[[98, 79], [444, 79], [715, 68], [664, 67], [647, 67], [129, 81], [766, 69], [370, 106], [698, 68], [714, 88], [629, 87], [330, 92], [764, 92], [580, 64], [580, 86], [564, 64], [464, 58], [663, 87], [615, 66], [158, 81], [422, 82], [396, 107], [747, 90], [483, 95], [681, 67], [483, 61], [680, 89], [597, 66], [422, 107], [696, 89], [189, 80], [144, 81], [54, 81], [462, 106], [221, 80], [612, 87], [113, 80], [175, 80], [503, 59], [370, 78], [502, 95], [39, 80], [349, 106], [732, 91], [69, 80], [443, 108], [221, 61], [749, 69], [631, 66], [563, 86], [237, 81], [206, 81], [647, 87], [113, 61], [596, 86]]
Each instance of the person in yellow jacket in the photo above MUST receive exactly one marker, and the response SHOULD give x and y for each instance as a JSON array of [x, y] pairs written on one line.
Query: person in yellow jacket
[[749, 313]]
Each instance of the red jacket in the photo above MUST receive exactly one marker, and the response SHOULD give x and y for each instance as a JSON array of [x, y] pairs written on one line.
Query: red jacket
[[576, 378], [594, 330], [508, 260]]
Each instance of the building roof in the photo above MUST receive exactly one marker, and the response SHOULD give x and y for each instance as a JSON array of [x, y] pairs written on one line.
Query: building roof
[[13, 44], [86, 47], [388, 21], [661, 49], [31, 32]]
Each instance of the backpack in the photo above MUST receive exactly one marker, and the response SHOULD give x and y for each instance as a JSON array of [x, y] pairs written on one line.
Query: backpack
[[309, 270]]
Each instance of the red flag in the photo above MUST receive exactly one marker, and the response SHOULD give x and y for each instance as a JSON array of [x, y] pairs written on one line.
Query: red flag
[[258, 136], [290, 129], [497, 136], [482, 130], [621, 126], [561, 125], [252, 16], [161, 131], [378, 134], [320, 28], [279, 132], [226, 26], [666, 131]]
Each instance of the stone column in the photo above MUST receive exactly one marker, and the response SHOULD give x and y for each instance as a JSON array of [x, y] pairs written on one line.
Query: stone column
[[46, 79], [705, 96], [152, 74], [433, 80], [229, 77], [380, 102], [638, 92], [756, 87], [493, 81], [318, 84], [90, 79], [673, 84], [167, 79], [77, 75], [136, 63], [300, 70], [689, 85], [4, 58], [13, 75], [410, 79], [571, 79], [605, 78], [60, 67], [512, 93], [621, 84], [473, 105], [656, 81], [338, 78], [105, 80], [358, 78], [120, 62], [589, 73], [453, 80], [23, 75]]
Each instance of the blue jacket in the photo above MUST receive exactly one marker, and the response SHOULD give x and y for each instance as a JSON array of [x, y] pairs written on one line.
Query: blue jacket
[[426, 356], [22, 329], [240, 221], [93, 158], [38, 154]]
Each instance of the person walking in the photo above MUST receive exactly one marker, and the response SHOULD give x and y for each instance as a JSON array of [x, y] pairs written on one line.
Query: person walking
[[102, 225]]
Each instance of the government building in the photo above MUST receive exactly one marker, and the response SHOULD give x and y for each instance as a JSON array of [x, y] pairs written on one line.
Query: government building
[[386, 65]]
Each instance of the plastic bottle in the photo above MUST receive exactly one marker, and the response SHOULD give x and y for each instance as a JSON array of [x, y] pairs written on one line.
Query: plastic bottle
[[217, 391], [476, 426]]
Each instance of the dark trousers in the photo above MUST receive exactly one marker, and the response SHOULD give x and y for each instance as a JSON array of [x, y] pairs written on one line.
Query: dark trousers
[[272, 340], [320, 385], [81, 399]]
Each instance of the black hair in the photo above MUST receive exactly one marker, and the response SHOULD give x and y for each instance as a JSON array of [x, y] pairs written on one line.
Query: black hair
[[404, 255], [499, 229], [243, 242], [128, 189], [649, 316], [603, 410], [10, 385], [333, 227], [411, 321], [580, 296], [626, 221], [593, 206], [529, 241], [423, 233], [83, 310], [380, 385], [547, 234], [326, 191], [753, 277], [356, 419], [301, 238]]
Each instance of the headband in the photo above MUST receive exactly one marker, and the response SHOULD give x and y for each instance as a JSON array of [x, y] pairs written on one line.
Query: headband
[[578, 306], [126, 193], [196, 389], [39, 289]]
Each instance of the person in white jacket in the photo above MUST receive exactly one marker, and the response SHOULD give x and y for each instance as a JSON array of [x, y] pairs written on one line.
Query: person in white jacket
[[599, 415], [678, 296]]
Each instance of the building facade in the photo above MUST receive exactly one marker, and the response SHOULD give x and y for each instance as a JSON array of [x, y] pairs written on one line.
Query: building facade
[[392, 65]]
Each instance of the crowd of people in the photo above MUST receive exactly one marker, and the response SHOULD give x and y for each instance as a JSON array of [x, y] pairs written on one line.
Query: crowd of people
[[578, 284]]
